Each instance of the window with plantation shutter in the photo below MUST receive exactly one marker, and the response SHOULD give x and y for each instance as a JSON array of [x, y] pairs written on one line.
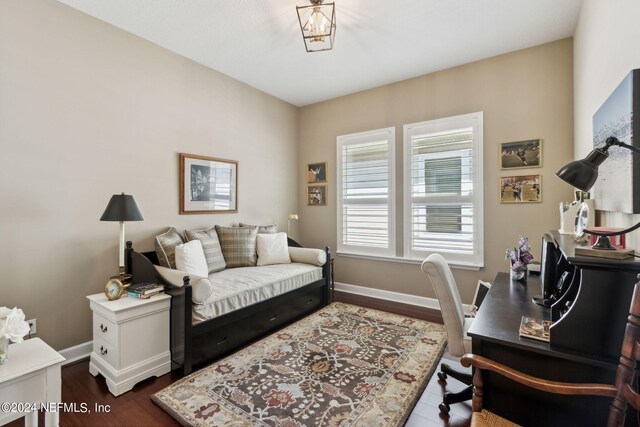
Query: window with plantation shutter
[[443, 189], [365, 193]]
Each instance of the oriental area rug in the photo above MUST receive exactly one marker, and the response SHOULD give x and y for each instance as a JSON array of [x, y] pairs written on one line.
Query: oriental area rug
[[341, 366]]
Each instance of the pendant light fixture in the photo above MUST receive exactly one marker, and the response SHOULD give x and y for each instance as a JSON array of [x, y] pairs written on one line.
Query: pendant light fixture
[[318, 25]]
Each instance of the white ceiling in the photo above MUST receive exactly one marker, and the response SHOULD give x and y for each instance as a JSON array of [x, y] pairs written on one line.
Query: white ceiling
[[377, 41]]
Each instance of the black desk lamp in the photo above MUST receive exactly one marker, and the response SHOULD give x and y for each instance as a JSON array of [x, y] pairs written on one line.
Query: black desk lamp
[[121, 207], [582, 174]]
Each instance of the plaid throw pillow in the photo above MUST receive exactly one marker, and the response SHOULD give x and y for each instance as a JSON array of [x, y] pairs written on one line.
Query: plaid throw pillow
[[238, 245], [165, 244], [210, 246], [262, 229]]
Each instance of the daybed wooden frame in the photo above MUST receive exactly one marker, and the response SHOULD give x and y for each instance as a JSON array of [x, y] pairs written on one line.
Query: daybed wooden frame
[[194, 345]]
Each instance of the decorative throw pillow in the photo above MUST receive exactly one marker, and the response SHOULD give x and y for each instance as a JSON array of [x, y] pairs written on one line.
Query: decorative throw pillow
[[190, 258], [165, 244], [262, 229], [210, 246], [238, 245], [272, 249]]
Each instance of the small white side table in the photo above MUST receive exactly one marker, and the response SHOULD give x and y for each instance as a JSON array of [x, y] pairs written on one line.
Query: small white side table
[[130, 340], [31, 376]]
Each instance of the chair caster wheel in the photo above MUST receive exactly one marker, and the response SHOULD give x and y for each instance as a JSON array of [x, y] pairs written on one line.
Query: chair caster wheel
[[444, 408], [442, 376]]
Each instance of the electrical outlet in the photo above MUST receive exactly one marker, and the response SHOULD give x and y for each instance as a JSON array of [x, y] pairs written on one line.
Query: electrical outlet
[[32, 325]]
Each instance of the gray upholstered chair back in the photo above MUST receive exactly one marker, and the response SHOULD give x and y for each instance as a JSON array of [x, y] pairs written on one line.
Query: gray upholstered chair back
[[444, 285]]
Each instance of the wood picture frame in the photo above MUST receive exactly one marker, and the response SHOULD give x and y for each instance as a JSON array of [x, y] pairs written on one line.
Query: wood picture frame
[[316, 172], [207, 185], [317, 195], [521, 189], [521, 154]]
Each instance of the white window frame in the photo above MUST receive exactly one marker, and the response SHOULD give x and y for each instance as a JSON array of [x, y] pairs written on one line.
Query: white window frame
[[474, 121], [388, 134]]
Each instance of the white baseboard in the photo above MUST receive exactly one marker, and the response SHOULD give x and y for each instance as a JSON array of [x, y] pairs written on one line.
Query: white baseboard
[[77, 352], [426, 302]]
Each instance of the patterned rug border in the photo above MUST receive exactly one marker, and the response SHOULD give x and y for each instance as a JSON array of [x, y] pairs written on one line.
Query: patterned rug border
[[343, 307]]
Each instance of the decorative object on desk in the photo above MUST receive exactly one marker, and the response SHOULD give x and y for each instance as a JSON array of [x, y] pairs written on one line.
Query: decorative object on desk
[[521, 154], [536, 329], [292, 217], [318, 25], [13, 328], [208, 185], [582, 174], [618, 241], [521, 189], [316, 173], [121, 208], [519, 257], [316, 195]]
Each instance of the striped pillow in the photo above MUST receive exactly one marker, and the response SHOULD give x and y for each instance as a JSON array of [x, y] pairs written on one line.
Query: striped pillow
[[238, 245], [210, 246], [165, 244], [263, 229]]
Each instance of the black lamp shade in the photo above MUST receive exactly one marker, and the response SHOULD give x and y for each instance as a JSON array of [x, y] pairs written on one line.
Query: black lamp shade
[[121, 207], [582, 174]]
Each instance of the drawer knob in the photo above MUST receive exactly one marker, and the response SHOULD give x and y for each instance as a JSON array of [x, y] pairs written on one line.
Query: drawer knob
[[273, 318], [103, 350], [103, 328]]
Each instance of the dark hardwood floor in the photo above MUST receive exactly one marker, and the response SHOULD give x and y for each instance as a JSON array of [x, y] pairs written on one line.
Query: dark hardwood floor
[[134, 408]]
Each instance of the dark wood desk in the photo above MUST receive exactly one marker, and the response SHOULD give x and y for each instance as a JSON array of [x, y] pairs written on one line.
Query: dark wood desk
[[495, 335]]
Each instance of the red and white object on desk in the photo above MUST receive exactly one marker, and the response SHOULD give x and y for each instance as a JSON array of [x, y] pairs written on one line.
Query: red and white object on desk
[[619, 242]]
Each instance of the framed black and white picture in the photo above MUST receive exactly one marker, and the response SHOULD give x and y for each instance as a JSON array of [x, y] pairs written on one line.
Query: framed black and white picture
[[316, 172], [208, 185], [317, 195], [521, 189], [521, 154], [618, 184]]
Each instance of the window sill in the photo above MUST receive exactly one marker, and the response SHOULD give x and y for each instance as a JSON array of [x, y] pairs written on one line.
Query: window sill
[[403, 260]]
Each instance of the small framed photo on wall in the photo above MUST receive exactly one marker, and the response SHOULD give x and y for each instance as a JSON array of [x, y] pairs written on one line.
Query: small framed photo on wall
[[521, 189], [521, 154], [317, 195], [316, 172]]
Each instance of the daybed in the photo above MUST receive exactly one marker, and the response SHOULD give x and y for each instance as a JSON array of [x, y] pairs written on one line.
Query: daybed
[[195, 340]]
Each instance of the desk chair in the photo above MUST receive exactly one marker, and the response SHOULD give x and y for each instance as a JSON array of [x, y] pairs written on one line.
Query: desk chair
[[621, 392], [456, 325]]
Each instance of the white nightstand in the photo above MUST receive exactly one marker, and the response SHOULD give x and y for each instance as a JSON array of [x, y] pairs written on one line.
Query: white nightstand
[[130, 340]]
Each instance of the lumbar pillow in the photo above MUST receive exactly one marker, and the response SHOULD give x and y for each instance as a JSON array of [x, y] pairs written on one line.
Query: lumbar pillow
[[272, 249], [210, 246], [190, 258], [165, 245], [262, 229], [238, 245]]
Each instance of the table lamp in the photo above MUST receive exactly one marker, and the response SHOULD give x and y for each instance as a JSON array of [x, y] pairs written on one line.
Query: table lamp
[[292, 217], [582, 174], [121, 207]]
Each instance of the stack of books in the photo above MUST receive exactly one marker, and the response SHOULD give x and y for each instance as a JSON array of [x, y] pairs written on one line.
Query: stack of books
[[144, 290]]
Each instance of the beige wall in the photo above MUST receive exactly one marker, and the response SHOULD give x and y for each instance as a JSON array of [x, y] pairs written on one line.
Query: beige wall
[[88, 110], [607, 47], [526, 94]]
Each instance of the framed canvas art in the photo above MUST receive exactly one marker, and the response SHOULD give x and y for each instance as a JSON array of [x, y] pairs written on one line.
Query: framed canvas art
[[316, 172], [317, 195], [618, 186], [521, 154], [208, 185]]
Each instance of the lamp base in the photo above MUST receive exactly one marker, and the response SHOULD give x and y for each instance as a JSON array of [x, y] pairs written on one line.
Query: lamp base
[[603, 244], [122, 276]]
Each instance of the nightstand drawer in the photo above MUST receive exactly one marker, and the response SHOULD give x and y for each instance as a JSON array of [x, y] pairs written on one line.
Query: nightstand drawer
[[106, 351], [104, 329]]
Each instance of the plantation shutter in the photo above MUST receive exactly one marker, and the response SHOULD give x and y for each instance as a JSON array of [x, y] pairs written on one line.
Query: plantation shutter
[[365, 194], [443, 206]]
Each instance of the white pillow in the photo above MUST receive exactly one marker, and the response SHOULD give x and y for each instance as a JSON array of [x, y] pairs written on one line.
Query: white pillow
[[272, 249], [190, 259]]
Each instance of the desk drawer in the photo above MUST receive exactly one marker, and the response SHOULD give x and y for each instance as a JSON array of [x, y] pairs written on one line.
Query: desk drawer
[[104, 329]]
